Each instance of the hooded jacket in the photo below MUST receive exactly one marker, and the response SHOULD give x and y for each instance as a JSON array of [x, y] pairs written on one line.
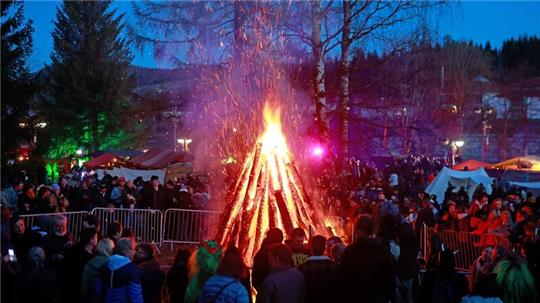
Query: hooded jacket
[[90, 273], [119, 281]]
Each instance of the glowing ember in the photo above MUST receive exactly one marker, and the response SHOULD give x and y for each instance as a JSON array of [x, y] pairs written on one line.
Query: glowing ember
[[267, 193]]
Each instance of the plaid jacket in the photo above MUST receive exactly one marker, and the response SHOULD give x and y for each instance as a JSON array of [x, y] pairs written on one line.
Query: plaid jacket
[[321, 276]]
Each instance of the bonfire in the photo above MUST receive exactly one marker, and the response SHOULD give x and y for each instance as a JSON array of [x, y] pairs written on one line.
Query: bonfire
[[268, 192]]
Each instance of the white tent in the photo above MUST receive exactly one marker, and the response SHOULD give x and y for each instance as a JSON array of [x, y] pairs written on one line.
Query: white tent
[[468, 179], [131, 174]]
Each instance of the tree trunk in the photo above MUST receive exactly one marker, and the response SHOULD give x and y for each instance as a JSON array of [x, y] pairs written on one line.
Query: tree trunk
[[343, 130], [95, 135], [319, 86]]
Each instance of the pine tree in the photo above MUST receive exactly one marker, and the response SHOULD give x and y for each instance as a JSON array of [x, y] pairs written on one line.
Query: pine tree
[[16, 79], [88, 77]]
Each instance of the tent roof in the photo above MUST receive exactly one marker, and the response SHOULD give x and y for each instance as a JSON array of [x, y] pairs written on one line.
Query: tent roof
[[520, 163], [157, 158], [100, 160], [472, 164], [469, 179]]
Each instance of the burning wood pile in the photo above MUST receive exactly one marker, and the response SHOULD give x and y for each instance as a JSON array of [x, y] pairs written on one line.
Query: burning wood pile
[[268, 193]]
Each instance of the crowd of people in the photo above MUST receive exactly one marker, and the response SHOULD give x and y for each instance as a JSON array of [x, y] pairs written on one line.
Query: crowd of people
[[83, 192], [379, 262]]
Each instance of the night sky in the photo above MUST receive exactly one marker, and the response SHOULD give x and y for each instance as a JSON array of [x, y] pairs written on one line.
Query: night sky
[[479, 21]]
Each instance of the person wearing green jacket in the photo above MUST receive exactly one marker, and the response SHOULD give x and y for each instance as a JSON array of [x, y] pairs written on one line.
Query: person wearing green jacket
[[104, 249]]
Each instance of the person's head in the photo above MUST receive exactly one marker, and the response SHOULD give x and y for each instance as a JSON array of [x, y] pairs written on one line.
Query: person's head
[[29, 190], [484, 198], [130, 184], [279, 255], [331, 241], [122, 181], [232, 265], [169, 184], [182, 257], [36, 259], [17, 184], [59, 225], [521, 216], [452, 209], [44, 192], [498, 253], [380, 196], [105, 247], [364, 226], [103, 188], [336, 252], [89, 237], [154, 181], [274, 235], [516, 281], [128, 233], [298, 236], [497, 204], [486, 253], [125, 247], [115, 230], [17, 225], [387, 229], [506, 217], [56, 189], [144, 252], [317, 245], [63, 182]]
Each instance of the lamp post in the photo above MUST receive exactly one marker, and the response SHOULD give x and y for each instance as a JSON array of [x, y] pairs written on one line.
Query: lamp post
[[485, 113], [455, 145]]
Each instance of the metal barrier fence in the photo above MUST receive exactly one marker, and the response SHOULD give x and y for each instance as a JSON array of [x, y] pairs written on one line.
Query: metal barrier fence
[[146, 224], [467, 246], [189, 226], [74, 221]]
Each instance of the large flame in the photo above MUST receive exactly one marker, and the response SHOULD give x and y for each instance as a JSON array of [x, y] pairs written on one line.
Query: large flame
[[268, 193]]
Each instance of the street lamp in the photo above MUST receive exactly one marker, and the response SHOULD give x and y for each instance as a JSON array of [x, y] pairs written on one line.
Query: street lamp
[[485, 113], [454, 145], [184, 143]]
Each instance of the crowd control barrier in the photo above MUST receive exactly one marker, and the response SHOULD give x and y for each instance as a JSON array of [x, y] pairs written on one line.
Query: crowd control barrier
[[74, 221], [146, 224], [467, 246], [187, 226]]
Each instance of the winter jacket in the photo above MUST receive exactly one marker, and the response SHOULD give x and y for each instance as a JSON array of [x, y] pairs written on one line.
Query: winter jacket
[[119, 281], [223, 289], [152, 279], [88, 281], [283, 285]]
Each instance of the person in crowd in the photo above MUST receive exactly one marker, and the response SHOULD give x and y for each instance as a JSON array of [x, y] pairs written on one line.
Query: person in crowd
[[133, 197], [119, 279], [284, 283], [57, 200], [35, 283], [114, 231], [184, 198], [27, 199], [21, 239], [498, 253], [407, 267], [485, 290], [177, 277], [479, 268], [425, 216], [331, 242], [388, 233], [92, 221], [90, 271], [336, 252], [203, 264], [85, 197], [10, 195], [442, 283], [321, 274], [516, 280], [102, 197], [42, 203], [118, 193], [152, 194], [170, 196], [75, 261], [225, 285], [300, 253], [261, 267], [152, 277], [367, 266], [57, 244]]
